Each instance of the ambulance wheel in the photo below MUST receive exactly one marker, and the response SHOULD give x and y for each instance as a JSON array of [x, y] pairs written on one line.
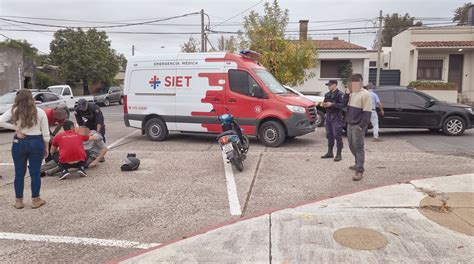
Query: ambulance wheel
[[272, 134], [156, 130]]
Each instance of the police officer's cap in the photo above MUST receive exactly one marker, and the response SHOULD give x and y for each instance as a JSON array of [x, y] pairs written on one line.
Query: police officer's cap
[[82, 104]]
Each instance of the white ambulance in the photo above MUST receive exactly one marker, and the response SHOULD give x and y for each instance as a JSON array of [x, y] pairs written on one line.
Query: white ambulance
[[186, 93]]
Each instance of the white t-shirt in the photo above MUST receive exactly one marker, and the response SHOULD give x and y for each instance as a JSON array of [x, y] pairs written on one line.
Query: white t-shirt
[[40, 128]]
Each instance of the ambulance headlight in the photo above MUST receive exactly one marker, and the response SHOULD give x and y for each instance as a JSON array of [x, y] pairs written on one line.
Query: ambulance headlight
[[296, 109]]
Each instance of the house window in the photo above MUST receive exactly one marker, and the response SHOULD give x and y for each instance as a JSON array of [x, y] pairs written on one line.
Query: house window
[[332, 68], [372, 64], [430, 70]]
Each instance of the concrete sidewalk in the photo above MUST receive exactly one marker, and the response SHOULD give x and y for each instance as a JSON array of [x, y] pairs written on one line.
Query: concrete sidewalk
[[422, 221]]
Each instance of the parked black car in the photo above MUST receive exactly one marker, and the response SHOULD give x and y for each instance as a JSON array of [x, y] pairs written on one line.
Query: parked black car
[[408, 108], [106, 96]]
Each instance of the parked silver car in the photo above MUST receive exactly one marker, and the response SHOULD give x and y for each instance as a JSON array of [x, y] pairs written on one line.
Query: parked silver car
[[43, 100], [109, 95]]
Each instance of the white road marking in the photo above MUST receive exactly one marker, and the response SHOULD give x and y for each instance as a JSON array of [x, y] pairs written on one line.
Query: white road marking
[[234, 203], [7, 164], [122, 139], [77, 240]]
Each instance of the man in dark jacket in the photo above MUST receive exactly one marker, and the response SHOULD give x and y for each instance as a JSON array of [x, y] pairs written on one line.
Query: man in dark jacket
[[334, 102], [90, 116], [359, 110]]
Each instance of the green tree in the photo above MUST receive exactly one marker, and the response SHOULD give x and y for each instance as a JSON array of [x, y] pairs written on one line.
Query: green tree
[[28, 50], [286, 59], [461, 13], [191, 46], [345, 72], [231, 44], [43, 80], [394, 24], [122, 62], [84, 55]]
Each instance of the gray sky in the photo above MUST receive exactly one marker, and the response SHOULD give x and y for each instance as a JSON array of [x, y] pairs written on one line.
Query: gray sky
[[139, 10]]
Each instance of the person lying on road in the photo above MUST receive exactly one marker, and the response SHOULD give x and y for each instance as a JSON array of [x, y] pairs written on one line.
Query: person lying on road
[[95, 150]]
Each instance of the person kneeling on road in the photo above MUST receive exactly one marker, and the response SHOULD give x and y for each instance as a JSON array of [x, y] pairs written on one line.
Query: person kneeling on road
[[95, 150], [71, 149]]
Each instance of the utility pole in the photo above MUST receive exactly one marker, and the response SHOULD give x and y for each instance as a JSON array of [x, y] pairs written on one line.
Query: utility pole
[[349, 36], [19, 76], [379, 49], [133, 50], [203, 34]]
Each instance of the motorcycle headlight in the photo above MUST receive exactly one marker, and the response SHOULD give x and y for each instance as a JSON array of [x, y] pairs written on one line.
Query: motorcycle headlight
[[469, 110], [296, 109]]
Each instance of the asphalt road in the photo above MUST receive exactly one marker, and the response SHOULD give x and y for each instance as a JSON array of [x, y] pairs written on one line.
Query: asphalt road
[[182, 186]]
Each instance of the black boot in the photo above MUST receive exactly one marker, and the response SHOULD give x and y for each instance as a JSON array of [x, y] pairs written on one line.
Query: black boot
[[338, 155], [328, 155]]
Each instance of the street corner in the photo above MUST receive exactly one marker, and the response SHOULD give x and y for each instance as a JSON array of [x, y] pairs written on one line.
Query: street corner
[[351, 227]]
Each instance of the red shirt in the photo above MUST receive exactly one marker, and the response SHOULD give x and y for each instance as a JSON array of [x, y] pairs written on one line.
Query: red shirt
[[70, 146]]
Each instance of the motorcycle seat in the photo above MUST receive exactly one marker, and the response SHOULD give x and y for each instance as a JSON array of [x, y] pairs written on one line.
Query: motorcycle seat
[[226, 133]]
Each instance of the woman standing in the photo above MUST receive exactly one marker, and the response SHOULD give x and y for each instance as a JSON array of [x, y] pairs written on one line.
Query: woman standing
[[30, 144]]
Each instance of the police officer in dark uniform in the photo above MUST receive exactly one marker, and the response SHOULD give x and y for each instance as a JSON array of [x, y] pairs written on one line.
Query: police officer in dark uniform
[[90, 116], [334, 101]]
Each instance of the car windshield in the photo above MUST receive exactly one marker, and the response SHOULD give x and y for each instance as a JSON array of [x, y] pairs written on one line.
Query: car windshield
[[270, 82], [102, 90], [8, 98], [56, 90]]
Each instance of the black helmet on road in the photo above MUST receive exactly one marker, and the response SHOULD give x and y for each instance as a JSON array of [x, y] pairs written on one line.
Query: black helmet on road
[[130, 163]]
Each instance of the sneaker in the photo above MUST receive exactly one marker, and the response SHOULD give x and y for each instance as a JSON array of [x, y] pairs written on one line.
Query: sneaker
[[353, 167], [64, 174], [82, 172], [358, 176]]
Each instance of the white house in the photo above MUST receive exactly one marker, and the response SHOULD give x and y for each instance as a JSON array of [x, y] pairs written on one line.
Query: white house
[[439, 54], [332, 55]]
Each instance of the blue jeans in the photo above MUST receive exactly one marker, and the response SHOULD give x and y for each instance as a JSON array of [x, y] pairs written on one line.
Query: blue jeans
[[31, 150]]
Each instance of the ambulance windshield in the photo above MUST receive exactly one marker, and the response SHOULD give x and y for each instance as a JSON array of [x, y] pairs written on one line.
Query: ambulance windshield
[[270, 82]]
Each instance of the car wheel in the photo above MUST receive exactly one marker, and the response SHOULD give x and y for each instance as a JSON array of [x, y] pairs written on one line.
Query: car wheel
[[156, 130], [121, 101], [454, 126], [272, 134], [106, 102], [320, 119]]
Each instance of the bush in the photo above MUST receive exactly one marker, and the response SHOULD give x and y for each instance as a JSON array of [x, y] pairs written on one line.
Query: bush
[[43, 80], [432, 85]]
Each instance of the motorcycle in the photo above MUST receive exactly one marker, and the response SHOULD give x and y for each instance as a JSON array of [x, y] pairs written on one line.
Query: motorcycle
[[233, 143]]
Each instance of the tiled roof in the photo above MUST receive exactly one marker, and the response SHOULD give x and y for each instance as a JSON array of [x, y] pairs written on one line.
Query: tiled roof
[[336, 44], [438, 44]]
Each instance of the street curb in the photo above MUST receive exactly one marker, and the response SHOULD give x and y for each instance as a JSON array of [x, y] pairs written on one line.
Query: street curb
[[258, 214]]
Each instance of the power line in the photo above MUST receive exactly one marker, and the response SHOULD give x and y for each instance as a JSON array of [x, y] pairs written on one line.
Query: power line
[[239, 13], [109, 26], [15, 25], [122, 22], [5, 36]]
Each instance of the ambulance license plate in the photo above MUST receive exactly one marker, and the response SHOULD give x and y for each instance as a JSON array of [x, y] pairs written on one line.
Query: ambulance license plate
[[227, 148]]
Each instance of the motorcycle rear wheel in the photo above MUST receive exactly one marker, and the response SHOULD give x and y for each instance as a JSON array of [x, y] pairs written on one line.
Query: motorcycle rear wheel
[[237, 161]]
